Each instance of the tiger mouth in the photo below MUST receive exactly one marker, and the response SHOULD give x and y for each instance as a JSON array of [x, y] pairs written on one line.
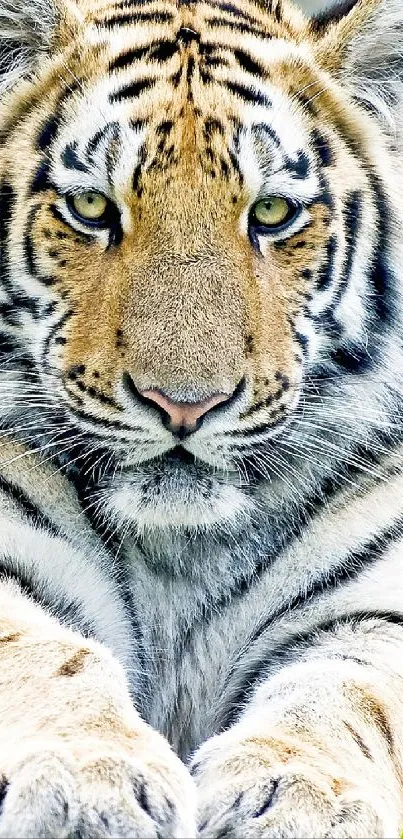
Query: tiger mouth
[[178, 457], [177, 467]]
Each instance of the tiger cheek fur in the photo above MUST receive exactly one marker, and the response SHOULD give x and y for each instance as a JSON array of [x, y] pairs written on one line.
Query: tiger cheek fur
[[201, 402]]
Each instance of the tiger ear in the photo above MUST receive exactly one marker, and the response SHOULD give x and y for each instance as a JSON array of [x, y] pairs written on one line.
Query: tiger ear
[[361, 42], [29, 31]]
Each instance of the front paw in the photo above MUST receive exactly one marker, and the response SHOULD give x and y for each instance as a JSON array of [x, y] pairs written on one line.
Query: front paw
[[89, 789], [258, 786]]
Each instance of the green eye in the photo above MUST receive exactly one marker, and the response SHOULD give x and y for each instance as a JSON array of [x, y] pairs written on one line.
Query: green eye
[[89, 206], [273, 212]]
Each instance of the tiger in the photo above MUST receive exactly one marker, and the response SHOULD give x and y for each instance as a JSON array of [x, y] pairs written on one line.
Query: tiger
[[201, 409]]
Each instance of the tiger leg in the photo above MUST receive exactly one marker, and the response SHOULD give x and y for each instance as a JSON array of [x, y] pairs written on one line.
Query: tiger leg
[[75, 757], [318, 749]]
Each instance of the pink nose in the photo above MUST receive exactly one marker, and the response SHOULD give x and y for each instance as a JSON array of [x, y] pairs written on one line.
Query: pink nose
[[183, 416]]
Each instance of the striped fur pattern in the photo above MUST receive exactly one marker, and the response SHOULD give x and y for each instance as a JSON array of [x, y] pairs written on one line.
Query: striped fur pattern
[[201, 635]]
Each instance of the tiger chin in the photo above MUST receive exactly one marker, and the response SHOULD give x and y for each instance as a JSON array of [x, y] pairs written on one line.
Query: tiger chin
[[201, 411]]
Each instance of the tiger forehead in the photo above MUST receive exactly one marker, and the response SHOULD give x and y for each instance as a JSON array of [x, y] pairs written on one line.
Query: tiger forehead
[[185, 68], [185, 21], [197, 49], [186, 85]]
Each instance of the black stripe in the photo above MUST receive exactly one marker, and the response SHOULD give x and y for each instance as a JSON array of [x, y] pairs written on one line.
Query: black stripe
[[205, 75], [236, 167], [249, 64], [111, 163], [382, 279], [136, 180], [59, 216], [239, 27], [134, 18], [137, 124], [301, 339], [277, 12], [31, 511], [41, 181], [164, 51], [107, 423], [71, 160], [27, 245], [358, 740], [96, 140], [235, 11], [50, 127], [7, 203], [325, 196], [268, 131], [332, 328], [57, 327], [126, 59], [353, 619], [383, 282], [248, 94], [17, 298], [29, 252], [176, 78], [345, 572], [298, 167], [9, 345], [307, 103], [353, 359], [132, 90], [322, 148], [9, 314], [326, 271], [212, 125], [48, 133], [164, 127], [396, 618], [352, 213], [277, 419], [48, 130], [186, 36], [270, 400], [190, 70]]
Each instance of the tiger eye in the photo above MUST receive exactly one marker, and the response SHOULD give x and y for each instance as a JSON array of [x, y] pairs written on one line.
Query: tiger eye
[[90, 206], [272, 211]]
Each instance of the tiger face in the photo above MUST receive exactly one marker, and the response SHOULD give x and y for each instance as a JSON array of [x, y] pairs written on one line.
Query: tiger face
[[195, 243]]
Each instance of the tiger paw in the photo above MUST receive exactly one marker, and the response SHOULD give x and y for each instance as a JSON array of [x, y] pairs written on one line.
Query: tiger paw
[[88, 790], [256, 787]]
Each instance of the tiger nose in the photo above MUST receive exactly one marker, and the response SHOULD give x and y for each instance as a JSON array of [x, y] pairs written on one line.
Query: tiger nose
[[182, 418]]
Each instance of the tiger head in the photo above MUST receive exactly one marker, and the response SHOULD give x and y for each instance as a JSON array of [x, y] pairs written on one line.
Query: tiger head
[[200, 213]]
